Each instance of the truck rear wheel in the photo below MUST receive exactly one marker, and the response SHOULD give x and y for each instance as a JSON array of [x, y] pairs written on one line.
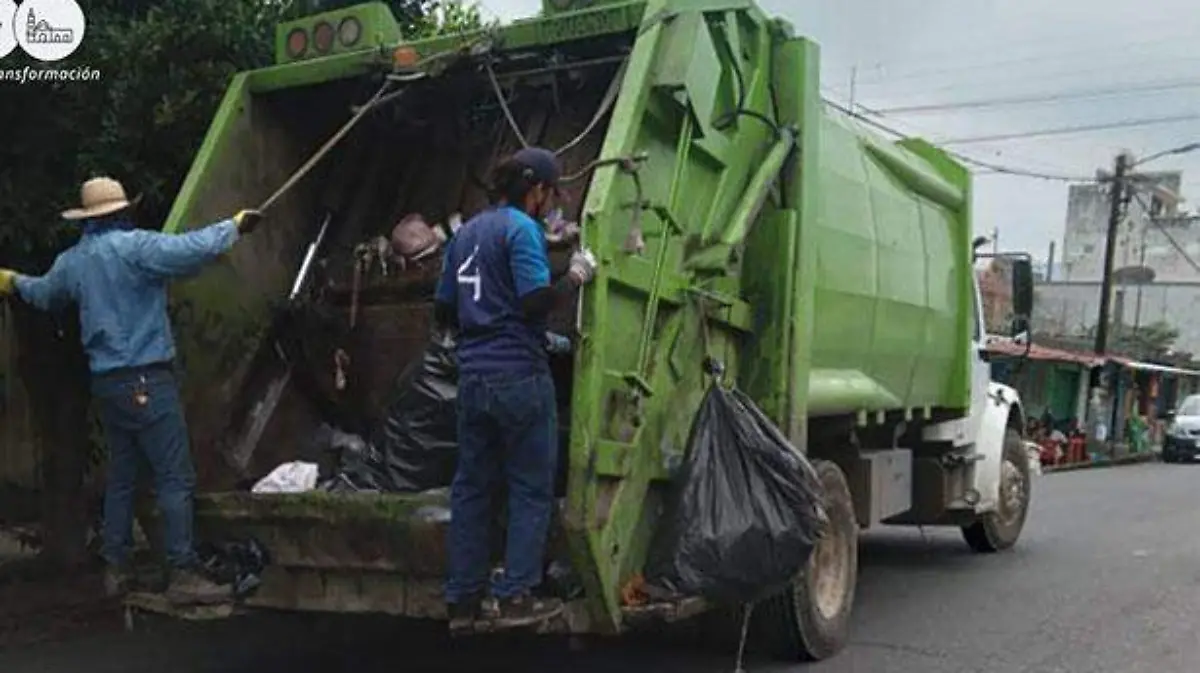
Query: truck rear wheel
[[811, 621], [999, 530]]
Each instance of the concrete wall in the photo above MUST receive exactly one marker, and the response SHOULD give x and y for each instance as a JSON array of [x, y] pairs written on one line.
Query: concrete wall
[[1139, 241], [1072, 307]]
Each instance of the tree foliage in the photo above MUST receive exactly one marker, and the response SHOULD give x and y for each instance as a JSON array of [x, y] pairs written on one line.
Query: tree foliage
[[1154, 342], [164, 66], [1151, 341], [417, 18]]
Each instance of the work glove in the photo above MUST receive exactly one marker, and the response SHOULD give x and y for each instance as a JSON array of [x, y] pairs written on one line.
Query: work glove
[[583, 266], [8, 282], [247, 220], [557, 344]]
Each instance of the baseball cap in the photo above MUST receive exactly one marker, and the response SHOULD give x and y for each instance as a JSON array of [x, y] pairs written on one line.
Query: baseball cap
[[542, 164]]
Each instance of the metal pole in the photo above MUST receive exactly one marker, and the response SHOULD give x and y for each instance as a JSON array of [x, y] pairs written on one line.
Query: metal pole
[[1137, 312], [1114, 218]]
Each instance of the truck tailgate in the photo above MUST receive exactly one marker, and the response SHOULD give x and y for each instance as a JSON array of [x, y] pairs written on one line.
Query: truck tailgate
[[364, 552]]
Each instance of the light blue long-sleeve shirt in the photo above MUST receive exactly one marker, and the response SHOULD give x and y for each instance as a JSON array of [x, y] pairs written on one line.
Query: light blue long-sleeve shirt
[[118, 277]]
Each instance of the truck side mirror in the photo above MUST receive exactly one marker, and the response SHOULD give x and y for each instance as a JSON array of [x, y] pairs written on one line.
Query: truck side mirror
[[1022, 288]]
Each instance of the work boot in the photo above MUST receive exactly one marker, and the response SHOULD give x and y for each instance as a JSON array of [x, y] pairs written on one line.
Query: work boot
[[465, 613], [117, 581], [189, 587], [526, 610]]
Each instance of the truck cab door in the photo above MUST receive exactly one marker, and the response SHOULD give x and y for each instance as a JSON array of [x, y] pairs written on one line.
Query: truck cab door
[[981, 369]]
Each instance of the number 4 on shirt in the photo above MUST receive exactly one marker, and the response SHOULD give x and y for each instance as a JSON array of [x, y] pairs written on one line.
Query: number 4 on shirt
[[468, 274]]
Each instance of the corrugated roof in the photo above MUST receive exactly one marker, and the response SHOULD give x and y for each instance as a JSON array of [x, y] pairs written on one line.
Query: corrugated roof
[[1044, 353], [1047, 354]]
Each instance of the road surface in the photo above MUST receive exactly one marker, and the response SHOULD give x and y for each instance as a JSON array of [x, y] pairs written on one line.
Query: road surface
[[1106, 578]]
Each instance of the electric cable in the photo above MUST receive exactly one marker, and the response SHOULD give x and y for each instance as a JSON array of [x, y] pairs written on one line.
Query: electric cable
[[998, 168], [1171, 239], [1001, 101], [1065, 130]]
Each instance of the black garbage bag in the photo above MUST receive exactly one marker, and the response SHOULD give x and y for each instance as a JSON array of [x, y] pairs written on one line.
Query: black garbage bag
[[745, 512], [415, 448], [238, 563]]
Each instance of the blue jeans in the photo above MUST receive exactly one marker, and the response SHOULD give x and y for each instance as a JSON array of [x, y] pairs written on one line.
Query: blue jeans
[[157, 431], [507, 429]]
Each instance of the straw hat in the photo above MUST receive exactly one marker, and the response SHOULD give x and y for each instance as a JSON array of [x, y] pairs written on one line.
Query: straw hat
[[99, 196]]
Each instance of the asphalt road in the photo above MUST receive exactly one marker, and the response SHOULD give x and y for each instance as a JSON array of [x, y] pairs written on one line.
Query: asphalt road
[[1105, 578]]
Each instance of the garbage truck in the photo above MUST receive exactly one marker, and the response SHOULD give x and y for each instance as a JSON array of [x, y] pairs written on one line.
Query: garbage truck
[[737, 217]]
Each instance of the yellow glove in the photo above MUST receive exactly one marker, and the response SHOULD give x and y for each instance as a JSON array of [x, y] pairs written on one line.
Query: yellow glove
[[247, 220], [8, 282]]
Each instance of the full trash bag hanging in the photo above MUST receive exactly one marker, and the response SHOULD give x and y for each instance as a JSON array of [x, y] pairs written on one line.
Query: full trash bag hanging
[[745, 513], [415, 448]]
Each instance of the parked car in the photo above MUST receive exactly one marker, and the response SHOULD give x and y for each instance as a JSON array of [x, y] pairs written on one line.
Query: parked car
[[1182, 441]]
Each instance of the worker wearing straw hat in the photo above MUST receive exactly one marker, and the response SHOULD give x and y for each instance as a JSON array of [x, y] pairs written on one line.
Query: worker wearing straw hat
[[117, 275]]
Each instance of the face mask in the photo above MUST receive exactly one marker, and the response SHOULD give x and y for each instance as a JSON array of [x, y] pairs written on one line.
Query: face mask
[[555, 222]]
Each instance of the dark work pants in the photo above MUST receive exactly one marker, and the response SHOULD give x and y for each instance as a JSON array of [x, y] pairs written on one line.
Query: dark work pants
[[507, 429], [156, 430]]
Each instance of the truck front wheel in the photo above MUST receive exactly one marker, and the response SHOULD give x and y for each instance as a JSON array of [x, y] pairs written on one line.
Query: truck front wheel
[[1000, 529], [811, 621]]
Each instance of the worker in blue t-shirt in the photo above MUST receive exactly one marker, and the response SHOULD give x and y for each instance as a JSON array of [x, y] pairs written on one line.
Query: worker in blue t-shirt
[[495, 291]]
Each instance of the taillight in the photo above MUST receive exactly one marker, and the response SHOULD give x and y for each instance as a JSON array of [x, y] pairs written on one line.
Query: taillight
[[349, 31], [405, 57], [323, 37], [297, 43]]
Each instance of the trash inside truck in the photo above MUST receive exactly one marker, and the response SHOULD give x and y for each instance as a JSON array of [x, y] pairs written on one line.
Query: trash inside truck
[[738, 220]]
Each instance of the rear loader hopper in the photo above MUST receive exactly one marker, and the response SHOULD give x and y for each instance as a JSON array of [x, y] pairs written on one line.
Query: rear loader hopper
[[736, 217]]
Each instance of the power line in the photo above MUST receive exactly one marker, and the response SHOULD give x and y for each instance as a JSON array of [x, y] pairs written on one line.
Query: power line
[[1018, 172], [863, 118], [1180, 149], [956, 84], [878, 76], [1170, 238], [1063, 130], [956, 55], [1059, 37], [998, 168], [1041, 98]]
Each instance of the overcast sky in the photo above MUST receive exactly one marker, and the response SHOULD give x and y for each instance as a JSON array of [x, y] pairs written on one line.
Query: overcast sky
[[934, 52]]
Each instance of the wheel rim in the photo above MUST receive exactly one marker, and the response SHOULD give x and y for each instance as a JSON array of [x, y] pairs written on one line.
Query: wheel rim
[[829, 568], [1012, 492]]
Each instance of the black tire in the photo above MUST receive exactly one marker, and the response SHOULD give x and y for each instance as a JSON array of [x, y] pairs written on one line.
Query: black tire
[[999, 530], [811, 621]]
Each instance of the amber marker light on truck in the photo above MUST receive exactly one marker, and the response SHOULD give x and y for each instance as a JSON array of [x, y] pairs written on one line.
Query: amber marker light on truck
[[349, 31], [323, 37], [405, 57], [297, 43]]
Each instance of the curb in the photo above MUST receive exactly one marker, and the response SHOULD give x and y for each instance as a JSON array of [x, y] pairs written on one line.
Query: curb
[[1136, 459]]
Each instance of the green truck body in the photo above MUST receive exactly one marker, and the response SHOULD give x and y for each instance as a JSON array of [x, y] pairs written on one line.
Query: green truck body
[[828, 269]]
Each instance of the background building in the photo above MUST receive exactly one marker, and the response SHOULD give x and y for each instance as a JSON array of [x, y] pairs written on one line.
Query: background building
[[1157, 279], [1139, 241]]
